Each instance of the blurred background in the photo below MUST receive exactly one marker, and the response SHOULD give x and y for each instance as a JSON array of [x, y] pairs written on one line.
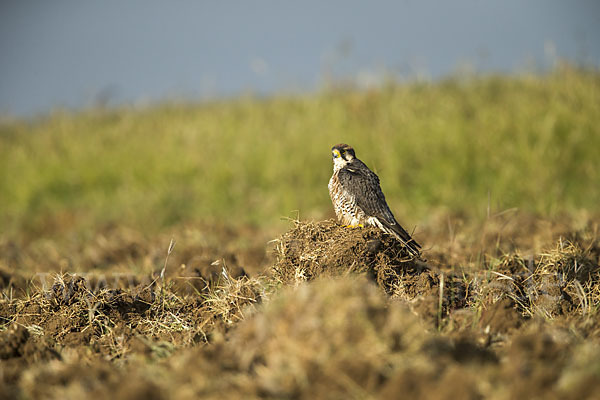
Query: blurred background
[[150, 114], [77, 54]]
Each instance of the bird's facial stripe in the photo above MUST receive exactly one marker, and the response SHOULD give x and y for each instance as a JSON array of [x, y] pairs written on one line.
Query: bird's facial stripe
[[336, 153], [347, 154]]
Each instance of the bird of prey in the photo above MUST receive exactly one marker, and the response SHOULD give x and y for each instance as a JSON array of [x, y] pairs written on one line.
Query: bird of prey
[[358, 200]]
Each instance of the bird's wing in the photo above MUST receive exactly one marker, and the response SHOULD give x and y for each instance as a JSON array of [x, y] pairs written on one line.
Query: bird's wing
[[363, 185]]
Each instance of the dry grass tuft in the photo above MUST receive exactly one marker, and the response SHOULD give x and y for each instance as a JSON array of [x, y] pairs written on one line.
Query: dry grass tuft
[[560, 281], [115, 322], [228, 299]]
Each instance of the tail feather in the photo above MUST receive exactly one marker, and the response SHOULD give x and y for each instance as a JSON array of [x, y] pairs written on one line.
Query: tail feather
[[399, 233]]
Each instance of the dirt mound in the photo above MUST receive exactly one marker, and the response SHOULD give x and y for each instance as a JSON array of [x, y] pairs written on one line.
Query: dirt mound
[[325, 248], [312, 249], [331, 338], [72, 314], [284, 347], [99, 379], [18, 342], [564, 280], [18, 349]]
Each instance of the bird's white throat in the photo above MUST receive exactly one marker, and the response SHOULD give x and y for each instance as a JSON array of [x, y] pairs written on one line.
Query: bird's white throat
[[339, 163]]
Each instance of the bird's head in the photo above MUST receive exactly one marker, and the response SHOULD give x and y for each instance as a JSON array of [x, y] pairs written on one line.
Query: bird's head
[[342, 154]]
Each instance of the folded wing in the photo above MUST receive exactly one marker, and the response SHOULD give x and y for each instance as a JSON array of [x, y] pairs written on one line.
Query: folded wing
[[363, 185]]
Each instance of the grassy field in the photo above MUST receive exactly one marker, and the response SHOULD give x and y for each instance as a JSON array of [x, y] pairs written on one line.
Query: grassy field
[[461, 145], [498, 174]]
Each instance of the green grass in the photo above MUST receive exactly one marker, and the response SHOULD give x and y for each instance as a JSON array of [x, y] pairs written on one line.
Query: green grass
[[530, 142]]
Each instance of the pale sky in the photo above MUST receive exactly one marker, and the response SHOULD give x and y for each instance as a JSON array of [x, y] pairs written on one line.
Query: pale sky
[[72, 54]]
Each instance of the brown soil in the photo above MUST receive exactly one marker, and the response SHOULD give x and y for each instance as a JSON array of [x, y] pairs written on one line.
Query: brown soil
[[325, 248], [343, 313]]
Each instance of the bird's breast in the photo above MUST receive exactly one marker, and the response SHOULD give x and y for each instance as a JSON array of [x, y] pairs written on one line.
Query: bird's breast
[[333, 183]]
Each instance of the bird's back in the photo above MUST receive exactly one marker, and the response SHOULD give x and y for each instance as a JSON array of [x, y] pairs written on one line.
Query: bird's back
[[357, 191]]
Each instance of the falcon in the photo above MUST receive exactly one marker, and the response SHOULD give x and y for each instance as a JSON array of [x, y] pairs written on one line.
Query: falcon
[[358, 200]]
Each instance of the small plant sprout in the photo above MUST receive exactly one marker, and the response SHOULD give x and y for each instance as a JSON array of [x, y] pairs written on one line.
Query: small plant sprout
[[162, 273]]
